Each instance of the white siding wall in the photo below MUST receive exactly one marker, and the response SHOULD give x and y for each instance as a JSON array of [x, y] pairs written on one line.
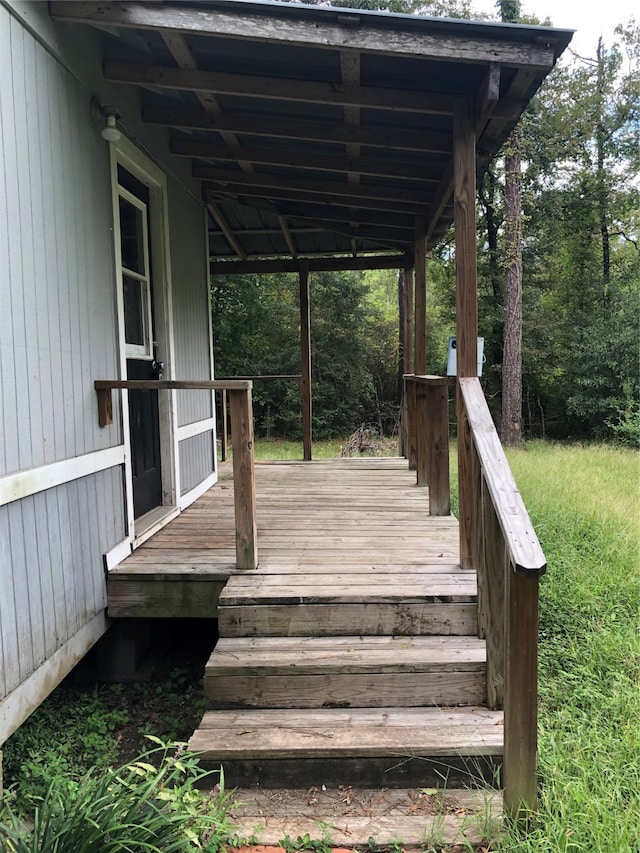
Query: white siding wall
[[51, 572], [196, 460], [57, 314], [58, 332], [191, 330]]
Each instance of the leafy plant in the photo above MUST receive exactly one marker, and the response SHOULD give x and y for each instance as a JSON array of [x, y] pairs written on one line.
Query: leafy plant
[[138, 807]]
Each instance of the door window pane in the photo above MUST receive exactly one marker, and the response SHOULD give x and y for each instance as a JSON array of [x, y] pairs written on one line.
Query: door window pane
[[132, 237], [135, 311]]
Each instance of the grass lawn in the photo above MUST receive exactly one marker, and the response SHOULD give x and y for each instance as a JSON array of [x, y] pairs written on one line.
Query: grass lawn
[[585, 505]]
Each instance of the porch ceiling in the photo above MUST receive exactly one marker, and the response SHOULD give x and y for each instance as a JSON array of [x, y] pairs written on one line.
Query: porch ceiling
[[319, 132]]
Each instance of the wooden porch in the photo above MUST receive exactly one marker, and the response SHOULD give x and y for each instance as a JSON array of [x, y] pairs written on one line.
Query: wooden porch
[[351, 655]]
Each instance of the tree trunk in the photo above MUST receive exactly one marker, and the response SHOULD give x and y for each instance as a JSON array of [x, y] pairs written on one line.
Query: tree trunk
[[511, 423], [511, 420]]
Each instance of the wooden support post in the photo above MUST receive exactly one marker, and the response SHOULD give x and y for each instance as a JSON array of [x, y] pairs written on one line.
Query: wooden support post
[[420, 352], [410, 396], [224, 439], [521, 693], [244, 479], [420, 419], [305, 359], [464, 172], [437, 443], [409, 362]]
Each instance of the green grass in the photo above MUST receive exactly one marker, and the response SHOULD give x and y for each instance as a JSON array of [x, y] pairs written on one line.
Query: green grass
[[584, 504], [282, 448]]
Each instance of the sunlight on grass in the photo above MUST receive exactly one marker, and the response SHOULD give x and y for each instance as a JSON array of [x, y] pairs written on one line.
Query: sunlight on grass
[[585, 505]]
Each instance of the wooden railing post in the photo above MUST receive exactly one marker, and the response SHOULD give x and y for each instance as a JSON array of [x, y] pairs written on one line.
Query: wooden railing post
[[224, 439], [521, 693], [244, 481], [305, 361], [437, 443], [422, 448], [410, 418]]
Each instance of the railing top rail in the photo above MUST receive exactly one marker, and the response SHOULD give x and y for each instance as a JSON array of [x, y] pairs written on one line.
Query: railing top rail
[[174, 384], [264, 377], [520, 538], [428, 379]]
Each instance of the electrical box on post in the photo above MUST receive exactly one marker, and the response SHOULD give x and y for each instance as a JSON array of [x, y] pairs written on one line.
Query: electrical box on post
[[452, 361]]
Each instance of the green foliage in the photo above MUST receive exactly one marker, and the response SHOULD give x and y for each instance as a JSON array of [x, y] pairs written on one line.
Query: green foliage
[[77, 728], [585, 506], [150, 804]]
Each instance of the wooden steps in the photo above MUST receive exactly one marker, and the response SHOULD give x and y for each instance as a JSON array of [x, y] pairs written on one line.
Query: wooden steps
[[381, 747], [351, 655], [415, 818], [348, 603], [345, 672]]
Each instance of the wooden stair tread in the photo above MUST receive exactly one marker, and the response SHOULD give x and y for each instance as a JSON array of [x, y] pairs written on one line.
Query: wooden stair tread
[[342, 655], [357, 733], [352, 816], [317, 589]]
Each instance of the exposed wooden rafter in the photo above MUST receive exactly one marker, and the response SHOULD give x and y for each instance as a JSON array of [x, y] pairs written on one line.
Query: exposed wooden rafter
[[428, 142], [317, 161], [367, 262], [226, 230], [279, 89]]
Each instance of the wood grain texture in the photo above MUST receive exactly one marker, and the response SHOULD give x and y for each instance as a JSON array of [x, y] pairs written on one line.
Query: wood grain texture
[[322, 34], [244, 479], [521, 693], [305, 360], [522, 543]]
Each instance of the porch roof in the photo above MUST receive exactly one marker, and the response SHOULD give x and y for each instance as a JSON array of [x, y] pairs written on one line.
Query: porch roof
[[319, 132]]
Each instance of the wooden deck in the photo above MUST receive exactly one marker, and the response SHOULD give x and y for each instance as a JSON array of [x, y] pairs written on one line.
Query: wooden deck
[[351, 655]]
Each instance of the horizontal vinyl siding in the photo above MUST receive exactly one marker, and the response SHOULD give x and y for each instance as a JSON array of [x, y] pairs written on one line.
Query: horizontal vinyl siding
[[196, 460], [51, 573], [190, 302], [57, 286]]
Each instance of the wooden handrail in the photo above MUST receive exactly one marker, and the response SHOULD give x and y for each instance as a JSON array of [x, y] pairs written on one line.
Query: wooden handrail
[[244, 483], [523, 545], [509, 561], [265, 377]]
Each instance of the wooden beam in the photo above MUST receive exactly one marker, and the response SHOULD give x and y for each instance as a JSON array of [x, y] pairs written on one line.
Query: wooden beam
[[222, 177], [466, 306], [463, 42], [327, 214], [238, 191], [390, 166], [374, 262], [420, 351], [280, 89], [396, 138], [286, 233], [230, 237], [305, 360], [183, 57]]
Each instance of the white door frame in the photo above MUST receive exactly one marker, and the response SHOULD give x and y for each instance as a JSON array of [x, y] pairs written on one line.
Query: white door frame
[[126, 154]]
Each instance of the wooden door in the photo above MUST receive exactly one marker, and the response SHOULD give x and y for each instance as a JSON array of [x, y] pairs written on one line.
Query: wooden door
[[137, 299]]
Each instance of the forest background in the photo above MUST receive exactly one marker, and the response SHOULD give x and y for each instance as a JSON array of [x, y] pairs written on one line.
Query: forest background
[[581, 278]]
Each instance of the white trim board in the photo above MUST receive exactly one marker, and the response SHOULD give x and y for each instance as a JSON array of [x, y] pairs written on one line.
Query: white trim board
[[14, 487], [189, 497], [23, 701], [195, 428], [117, 554]]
